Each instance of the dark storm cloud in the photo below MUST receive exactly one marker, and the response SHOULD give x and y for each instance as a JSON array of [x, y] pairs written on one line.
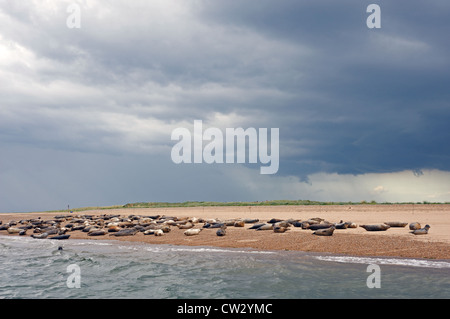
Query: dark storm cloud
[[380, 97], [347, 99]]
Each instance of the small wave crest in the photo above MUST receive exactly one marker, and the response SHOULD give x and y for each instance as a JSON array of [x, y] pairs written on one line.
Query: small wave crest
[[386, 261]]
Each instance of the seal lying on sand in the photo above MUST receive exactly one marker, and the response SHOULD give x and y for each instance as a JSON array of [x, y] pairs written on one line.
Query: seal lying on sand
[[341, 225], [265, 227], [421, 231], [40, 236], [185, 226], [251, 220], [376, 227], [60, 237], [14, 230], [319, 226], [325, 231], [125, 232], [396, 224], [221, 231], [414, 226], [97, 232], [256, 226], [239, 223], [192, 231], [280, 229]]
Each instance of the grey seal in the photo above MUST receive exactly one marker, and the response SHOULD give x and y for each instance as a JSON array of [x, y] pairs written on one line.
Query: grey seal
[[97, 232], [325, 231], [341, 225], [251, 220], [376, 227], [125, 232], [217, 225], [256, 226], [221, 231], [421, 231], [319, 226], [396, 224], [60, 237]]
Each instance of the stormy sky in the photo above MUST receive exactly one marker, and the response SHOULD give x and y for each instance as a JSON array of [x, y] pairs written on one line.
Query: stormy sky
[[86, 114]]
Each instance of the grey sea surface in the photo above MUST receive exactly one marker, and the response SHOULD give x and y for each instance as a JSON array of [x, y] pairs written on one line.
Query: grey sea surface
[[43, 268]]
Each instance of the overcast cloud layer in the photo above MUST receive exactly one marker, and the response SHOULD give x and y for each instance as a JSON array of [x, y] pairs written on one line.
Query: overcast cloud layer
[[86, 114]]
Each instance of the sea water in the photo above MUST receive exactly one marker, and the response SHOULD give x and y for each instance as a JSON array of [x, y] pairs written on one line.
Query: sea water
[[41, 268]]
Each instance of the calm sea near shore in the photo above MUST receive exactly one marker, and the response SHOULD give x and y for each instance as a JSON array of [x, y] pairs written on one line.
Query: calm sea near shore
[[32, 268]]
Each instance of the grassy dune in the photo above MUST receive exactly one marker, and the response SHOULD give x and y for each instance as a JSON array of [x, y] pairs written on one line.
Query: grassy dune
[[206, 204]]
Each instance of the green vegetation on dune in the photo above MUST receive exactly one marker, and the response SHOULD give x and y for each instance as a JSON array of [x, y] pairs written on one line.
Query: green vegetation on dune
[[256, 203]]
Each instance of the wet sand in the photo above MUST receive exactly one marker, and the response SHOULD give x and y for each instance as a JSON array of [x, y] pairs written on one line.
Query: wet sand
[[397, 242]]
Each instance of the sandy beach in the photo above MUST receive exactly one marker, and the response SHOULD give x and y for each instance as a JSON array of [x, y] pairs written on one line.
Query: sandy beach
[[351, 241]]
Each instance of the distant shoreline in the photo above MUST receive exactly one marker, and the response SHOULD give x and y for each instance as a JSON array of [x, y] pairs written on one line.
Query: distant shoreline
[[230, 204]]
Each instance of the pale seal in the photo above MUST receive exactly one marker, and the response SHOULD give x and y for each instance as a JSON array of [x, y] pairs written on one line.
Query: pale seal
[[185, 226], [14, 230], [376, 227], [192, 231], [325, 231], [40, 236], [421, 231]]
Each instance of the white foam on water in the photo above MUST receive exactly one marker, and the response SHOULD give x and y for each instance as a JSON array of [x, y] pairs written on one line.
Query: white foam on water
[[192, 249], [133, 246], [386, 261]]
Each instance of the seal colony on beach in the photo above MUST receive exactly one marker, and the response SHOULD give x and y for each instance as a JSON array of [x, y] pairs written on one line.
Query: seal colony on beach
[[117, 226]]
